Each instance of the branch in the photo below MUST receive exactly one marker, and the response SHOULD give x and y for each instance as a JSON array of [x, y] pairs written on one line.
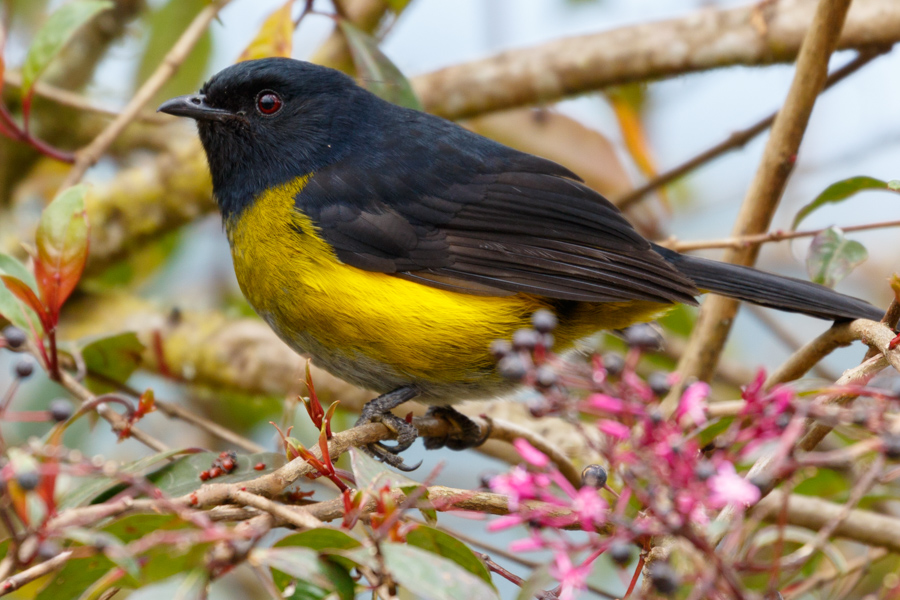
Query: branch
[[117, 421], [701, 41], [816, 514], [90, 154], [36, 572], [717, 313]]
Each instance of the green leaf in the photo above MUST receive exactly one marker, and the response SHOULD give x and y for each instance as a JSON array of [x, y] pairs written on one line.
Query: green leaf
[[62, 247], [92, 489], [840, 191], [75, 577], [320, 539], [433, 577], [166, 25], [371, 474], [443, 544], [10, 307], [54, 35], [715, 428], [378, 74], [316, 577], [832, 257], [112, 547], [183, 476], [111, 360]]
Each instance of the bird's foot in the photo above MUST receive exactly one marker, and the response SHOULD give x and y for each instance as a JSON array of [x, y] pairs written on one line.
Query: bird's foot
[[378, 410], [467, 435]]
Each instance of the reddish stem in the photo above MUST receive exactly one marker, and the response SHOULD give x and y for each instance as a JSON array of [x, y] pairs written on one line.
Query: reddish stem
[[634, 578]]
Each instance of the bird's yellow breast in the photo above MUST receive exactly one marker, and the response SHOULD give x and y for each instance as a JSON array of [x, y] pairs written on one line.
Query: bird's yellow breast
[[376, 330]]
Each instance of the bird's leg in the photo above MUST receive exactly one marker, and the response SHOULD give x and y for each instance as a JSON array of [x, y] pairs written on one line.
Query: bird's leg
[[378, 410], [468, 434]]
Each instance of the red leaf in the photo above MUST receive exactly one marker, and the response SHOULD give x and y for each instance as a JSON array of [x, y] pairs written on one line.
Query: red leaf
[[24, 293], [62, 248]]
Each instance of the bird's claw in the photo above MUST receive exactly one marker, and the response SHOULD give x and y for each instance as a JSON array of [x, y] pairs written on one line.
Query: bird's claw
[[467, 435], [378, 411]]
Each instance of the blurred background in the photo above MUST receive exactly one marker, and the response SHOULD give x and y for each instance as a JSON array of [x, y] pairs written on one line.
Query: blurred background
[[855, 130]]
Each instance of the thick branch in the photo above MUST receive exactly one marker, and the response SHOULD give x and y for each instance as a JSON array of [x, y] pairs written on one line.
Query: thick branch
[[814, 513], [698, 42]]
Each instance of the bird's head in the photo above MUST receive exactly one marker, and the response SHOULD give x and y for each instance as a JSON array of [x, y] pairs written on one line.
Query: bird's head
[[265, 122]]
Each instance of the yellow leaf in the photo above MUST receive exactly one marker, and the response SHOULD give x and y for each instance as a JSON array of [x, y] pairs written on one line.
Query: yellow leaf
[[626, 103], [275, 37]]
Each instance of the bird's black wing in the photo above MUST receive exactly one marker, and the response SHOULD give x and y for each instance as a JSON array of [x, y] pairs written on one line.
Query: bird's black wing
[[442, 206]]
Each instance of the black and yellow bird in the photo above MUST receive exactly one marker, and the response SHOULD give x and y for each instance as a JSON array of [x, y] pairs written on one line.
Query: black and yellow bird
[[394, 246]]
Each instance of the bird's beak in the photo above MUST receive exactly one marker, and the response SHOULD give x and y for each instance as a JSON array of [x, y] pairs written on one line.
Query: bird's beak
[[195, 107]]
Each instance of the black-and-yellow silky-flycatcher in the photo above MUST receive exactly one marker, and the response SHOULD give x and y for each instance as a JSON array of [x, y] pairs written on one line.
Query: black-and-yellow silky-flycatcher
[[394, 246]]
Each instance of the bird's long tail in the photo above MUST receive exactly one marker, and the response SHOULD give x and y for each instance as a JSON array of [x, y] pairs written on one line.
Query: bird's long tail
[[767, 289]]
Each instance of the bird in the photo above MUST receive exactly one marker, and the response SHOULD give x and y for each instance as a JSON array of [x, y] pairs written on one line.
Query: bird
[[393, 246]]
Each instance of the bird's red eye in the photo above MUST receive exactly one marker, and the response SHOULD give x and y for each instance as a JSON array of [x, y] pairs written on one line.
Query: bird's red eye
[[268, 103]]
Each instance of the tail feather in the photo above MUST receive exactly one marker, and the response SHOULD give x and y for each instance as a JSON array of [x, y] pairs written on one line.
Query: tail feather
[[766, 289]]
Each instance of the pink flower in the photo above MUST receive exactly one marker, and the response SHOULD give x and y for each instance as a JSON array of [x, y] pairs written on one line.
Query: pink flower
[[518, 485], [605, 403], [590, 507], [693, 403], [529, 544], [505, 522], [727, 487], [614, 429], [531, 454], [571, 579]]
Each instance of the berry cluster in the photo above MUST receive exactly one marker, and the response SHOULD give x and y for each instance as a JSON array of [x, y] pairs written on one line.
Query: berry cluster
[[224, 464]]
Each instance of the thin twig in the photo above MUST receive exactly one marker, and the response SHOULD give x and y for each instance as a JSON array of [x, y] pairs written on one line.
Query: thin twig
[[77, 101], [763, 238], [736, 140], [118, 422], [90, 154], [178, 412]]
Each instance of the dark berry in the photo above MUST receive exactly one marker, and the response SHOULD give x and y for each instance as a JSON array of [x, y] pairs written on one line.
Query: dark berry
[[544, 321], [704, 470], [512, 367], [659, 383], [891, 442], [60, 410], [525, 339], [620, 553], [28, 480], [24, 368], [500, 348], [15, 337], [643, 336], [663, 577], [782, 420], [594, 476], [613, 362], [545, 375]]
